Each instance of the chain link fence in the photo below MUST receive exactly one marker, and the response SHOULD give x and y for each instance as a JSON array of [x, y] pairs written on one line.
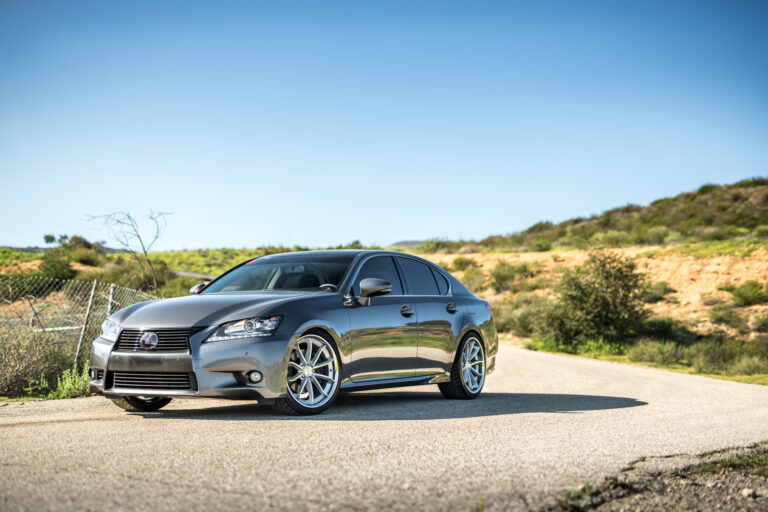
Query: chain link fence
[[40, 316]]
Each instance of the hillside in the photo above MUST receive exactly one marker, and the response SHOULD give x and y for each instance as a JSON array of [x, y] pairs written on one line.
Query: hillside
[[713, 212]]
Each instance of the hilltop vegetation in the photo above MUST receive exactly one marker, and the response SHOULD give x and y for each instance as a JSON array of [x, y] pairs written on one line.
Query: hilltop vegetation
[[712, 213]]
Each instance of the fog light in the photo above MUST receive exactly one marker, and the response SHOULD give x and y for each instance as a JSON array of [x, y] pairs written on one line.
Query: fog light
[[91, 374], [254, 376]]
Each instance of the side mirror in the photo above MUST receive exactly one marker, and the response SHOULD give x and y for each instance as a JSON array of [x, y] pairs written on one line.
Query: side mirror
[[372, 287], [197, 288]]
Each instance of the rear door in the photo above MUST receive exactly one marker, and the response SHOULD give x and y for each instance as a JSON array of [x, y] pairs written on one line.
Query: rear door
[[439, 316], [383, 335]]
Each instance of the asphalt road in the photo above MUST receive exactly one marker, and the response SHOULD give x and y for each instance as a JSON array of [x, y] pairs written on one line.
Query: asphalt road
[[544, 423]]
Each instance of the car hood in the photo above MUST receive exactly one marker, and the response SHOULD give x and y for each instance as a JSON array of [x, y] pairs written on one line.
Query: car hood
[[205, 310]]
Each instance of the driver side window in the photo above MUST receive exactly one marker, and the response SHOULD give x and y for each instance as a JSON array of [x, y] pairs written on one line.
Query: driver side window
[[380, 267]]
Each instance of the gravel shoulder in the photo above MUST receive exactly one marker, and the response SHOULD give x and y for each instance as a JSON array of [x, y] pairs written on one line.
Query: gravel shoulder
[[544, 425]]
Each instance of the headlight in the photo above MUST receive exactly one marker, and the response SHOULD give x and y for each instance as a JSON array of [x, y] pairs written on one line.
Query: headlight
[[248, 328], [110, 330]]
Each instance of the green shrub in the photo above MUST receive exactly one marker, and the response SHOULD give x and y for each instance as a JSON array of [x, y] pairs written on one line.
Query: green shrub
[[503, 275], [611, 238], [603, 299], [657, 291], [55, 265], [726, 315], [749, 365], [657, 234], [461, 263], [661, 353], [85, 256], [760, 232], [760, 323], [668, 329], [714, 355], [474, 279], [748, 294], [29, 356], [71, 384]]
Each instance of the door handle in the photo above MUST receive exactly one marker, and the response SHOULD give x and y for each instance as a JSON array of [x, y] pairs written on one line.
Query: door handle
[[407, 310], [451, 308]]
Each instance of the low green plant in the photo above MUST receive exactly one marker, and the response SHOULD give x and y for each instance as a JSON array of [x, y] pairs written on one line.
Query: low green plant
[[505, 275], [760, 323], [749, 293], [657, 291], [760, 232], [668, 329], [474, 279], [55, 264], [71, 384], [29, 359], [650, 351], [748, 365], [725, 314], [461, 263]]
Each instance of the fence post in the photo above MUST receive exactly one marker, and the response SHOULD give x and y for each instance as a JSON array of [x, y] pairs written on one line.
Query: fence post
[[85, 323], [111, 298]]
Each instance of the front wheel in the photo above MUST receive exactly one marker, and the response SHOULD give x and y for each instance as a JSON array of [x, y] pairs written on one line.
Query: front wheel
[[468, 371], [312, 377], [141, 403]]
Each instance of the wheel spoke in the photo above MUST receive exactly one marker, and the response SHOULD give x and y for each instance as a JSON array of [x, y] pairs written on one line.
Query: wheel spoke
[[317, 356], [308, 356], [474, 363], [319, 387], [297, 367], [311, 389], [324, 377], [295, 377], [302, 359], [324, 363]]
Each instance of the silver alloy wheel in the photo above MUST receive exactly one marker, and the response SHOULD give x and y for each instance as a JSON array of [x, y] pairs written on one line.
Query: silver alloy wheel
[[313, 371], [473, 365]]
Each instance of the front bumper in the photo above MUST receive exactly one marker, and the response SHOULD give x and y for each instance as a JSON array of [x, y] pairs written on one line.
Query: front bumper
[[216, 370]]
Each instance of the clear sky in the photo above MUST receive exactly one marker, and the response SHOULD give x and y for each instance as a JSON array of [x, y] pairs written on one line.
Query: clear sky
[[322, 122]]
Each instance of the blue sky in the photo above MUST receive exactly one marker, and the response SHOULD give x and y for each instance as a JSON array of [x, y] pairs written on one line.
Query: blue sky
[[323, 122]]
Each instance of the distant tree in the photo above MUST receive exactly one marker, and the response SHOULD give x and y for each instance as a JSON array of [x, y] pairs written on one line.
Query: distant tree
[[125, 231], [49, 239]]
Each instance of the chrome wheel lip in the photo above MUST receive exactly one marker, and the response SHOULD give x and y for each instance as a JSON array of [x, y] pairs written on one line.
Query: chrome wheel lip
[[472, 365], [312, 376]]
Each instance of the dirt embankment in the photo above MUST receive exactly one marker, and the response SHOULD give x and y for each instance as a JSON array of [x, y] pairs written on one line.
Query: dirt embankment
[[695, 280]]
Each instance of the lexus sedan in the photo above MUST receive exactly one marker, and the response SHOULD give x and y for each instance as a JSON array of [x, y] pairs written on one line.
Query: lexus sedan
[[296, 329]]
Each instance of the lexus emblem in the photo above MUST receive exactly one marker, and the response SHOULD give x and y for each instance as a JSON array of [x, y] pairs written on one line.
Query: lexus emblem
[[148, 341]]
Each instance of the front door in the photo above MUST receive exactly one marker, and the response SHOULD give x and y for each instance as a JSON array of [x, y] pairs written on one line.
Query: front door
[[384, 334]]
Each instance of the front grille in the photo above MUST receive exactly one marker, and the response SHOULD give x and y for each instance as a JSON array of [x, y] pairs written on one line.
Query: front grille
[[153, 380], [168, 340]]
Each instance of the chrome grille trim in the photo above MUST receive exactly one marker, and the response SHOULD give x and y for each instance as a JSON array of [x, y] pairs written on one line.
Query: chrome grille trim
[[169, 340], [154, 380]]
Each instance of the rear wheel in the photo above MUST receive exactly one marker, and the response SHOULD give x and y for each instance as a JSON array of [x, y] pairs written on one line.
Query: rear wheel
[[312, 377], [468, 371], [141, 403]]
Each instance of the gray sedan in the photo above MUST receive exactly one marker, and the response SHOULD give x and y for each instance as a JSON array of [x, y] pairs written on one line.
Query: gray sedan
[[296, 329]]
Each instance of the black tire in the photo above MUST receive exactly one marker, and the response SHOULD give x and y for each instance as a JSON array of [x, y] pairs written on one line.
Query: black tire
[[290, 407], [137, 404], [455, 388]]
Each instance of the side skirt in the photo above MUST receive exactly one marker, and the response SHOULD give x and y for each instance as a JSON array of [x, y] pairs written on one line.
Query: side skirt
[[395, 382]]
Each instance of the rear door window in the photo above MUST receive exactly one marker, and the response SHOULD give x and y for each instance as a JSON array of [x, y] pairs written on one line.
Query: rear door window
[[442, 282], [419, 277]]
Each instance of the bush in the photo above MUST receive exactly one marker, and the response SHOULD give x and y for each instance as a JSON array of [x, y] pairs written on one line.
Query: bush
[[71, 384], [749, 365], [55, 265], [666, 353], [727, 315], [610, 238], [473, 279], [760, 323], [748, 294], [90, 257], [668, 329], [760, 232], [657, 291], [603, 299], [504, 275], [713, 356], [28, 355], [461, 263]]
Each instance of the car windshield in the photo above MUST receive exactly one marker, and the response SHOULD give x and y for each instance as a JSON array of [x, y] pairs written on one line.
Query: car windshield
[[305, 272]]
